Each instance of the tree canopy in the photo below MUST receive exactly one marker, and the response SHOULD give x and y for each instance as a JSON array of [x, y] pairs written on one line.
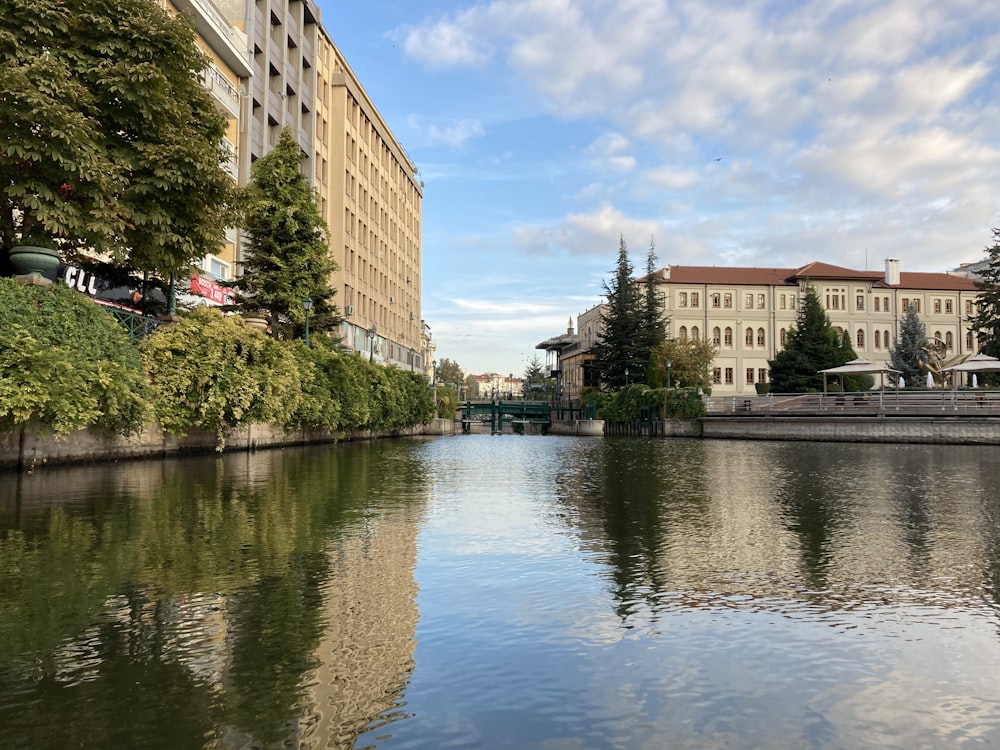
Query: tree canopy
[[986, 321], [109, 140], [287, 258], [633, 325], [812, 344], [690, 364], [907, 353]]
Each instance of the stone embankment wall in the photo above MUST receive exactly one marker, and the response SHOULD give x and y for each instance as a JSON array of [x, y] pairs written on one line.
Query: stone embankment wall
[[34, 445], [873, 429]]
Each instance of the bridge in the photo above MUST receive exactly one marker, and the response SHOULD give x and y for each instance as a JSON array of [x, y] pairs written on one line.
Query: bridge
[[496, 412]]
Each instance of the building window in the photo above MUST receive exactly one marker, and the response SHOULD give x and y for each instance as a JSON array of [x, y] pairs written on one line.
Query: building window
[[748, 339], [791, 302], [727, 300], [729, 376], [716, 336], [760, 301], [717, 375], [682, 334], [695, 333], [878, 340], [859, 302], [949, 341], [749, 376], [937, 335], [782, 336], [968, 307], [861, 339], [968, 340], [760, 337], [729, 338], [762, 375], [947, 307], [885, 340], [682, 299], [782, 302], [716, 300], [748, 305], [937, 306], [916, 304], [877, 299], [695, 299], [906, 304]]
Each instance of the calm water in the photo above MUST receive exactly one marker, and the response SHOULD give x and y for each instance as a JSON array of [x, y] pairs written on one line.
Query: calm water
[[506, 592]]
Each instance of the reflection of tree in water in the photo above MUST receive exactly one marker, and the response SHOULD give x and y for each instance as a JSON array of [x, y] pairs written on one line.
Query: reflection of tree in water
[[205, 582], [629, 493]]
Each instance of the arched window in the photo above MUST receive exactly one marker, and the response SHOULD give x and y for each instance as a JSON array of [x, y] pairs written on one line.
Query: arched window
[[716, 335], [716, 300], [749, 338], [861, 339], [760, 337], [695, 333], [885, 339], [729, 338], [949, 341], [878, 339], [683, 333], [937, 335], [782, 335]]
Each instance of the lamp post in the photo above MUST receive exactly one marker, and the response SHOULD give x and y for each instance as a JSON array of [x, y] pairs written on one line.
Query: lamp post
[[371, 343], [307, 305], [669, 365], [626, 376]]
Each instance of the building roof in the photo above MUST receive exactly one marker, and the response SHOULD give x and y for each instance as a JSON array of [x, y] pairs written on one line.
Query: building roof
[[745, 276]]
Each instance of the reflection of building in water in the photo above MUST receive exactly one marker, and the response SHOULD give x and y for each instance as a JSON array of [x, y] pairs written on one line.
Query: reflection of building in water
[[367, 650]]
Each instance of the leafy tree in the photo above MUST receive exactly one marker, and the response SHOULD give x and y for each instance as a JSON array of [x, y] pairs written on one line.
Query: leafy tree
[[449, 372], [67, 363], [690, 364], [287, 257], [109, 139], [618, 348], [812, 345], [907, 353], [986, 321]]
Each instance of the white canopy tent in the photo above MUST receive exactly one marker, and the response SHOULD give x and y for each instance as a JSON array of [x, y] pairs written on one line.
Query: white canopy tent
[[975, 363], [861, 366]]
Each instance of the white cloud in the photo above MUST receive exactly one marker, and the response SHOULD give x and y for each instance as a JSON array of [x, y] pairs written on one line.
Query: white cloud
[[455, 134]]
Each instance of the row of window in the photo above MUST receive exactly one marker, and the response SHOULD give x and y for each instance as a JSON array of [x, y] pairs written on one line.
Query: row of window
[[724, 338], [835, 299], [725, 375]]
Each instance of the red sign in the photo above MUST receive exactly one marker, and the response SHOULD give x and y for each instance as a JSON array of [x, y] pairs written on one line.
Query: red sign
[[211, 290]]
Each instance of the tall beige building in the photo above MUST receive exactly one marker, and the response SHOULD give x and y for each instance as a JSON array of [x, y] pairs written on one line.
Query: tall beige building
[[370, 196], [367, 187]]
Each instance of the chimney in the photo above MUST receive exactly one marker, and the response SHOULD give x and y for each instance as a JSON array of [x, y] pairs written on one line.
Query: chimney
[[892, 271]]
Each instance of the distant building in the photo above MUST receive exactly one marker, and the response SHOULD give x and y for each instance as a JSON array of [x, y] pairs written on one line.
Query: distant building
[[747, 313]]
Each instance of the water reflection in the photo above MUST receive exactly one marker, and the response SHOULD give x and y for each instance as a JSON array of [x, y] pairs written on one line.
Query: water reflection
[[506, 592]]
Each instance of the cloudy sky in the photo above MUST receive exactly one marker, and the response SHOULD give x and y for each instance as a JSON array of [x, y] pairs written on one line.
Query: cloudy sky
[[730, 133]]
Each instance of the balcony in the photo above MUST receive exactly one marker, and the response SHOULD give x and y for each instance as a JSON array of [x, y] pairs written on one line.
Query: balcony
[[224, 92], [228, 42]]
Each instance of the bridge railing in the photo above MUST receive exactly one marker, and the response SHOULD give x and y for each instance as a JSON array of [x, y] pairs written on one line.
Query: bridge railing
[[971, 402]]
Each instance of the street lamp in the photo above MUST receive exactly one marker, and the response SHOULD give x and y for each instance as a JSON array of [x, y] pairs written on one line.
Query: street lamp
[[669, 365], [307, 305], [626, 376], [371, 336]]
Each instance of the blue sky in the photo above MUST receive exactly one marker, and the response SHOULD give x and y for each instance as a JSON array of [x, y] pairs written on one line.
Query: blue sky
[[727, 133]]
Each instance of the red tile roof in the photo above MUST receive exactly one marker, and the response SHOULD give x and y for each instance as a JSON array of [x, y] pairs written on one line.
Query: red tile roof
[[720, 275]]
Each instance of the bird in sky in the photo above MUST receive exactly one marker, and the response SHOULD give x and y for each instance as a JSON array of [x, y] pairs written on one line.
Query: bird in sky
[[718, 159]]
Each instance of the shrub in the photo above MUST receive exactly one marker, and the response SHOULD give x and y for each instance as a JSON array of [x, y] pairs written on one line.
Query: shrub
[[66, 362], [214, 373]]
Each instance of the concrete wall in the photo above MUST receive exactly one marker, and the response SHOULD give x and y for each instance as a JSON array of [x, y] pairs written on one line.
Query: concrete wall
[[952, 430], [34, 445]]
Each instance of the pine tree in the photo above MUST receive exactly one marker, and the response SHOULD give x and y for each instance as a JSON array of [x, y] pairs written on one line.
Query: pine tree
[[652, 327], [287, 257], [618, 346], [812, 345], [907, 353], [986, 321]]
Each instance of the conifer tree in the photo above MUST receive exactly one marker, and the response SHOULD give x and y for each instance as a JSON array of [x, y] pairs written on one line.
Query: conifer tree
[[986, 321], [619, 347], [652, 327], [287, 258], [812, 345], [907, 353]]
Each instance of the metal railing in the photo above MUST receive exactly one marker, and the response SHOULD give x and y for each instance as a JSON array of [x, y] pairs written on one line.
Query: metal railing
[[135, 324], [965, 402]]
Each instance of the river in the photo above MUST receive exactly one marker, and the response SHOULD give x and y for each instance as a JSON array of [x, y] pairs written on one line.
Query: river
[[508, 591]]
